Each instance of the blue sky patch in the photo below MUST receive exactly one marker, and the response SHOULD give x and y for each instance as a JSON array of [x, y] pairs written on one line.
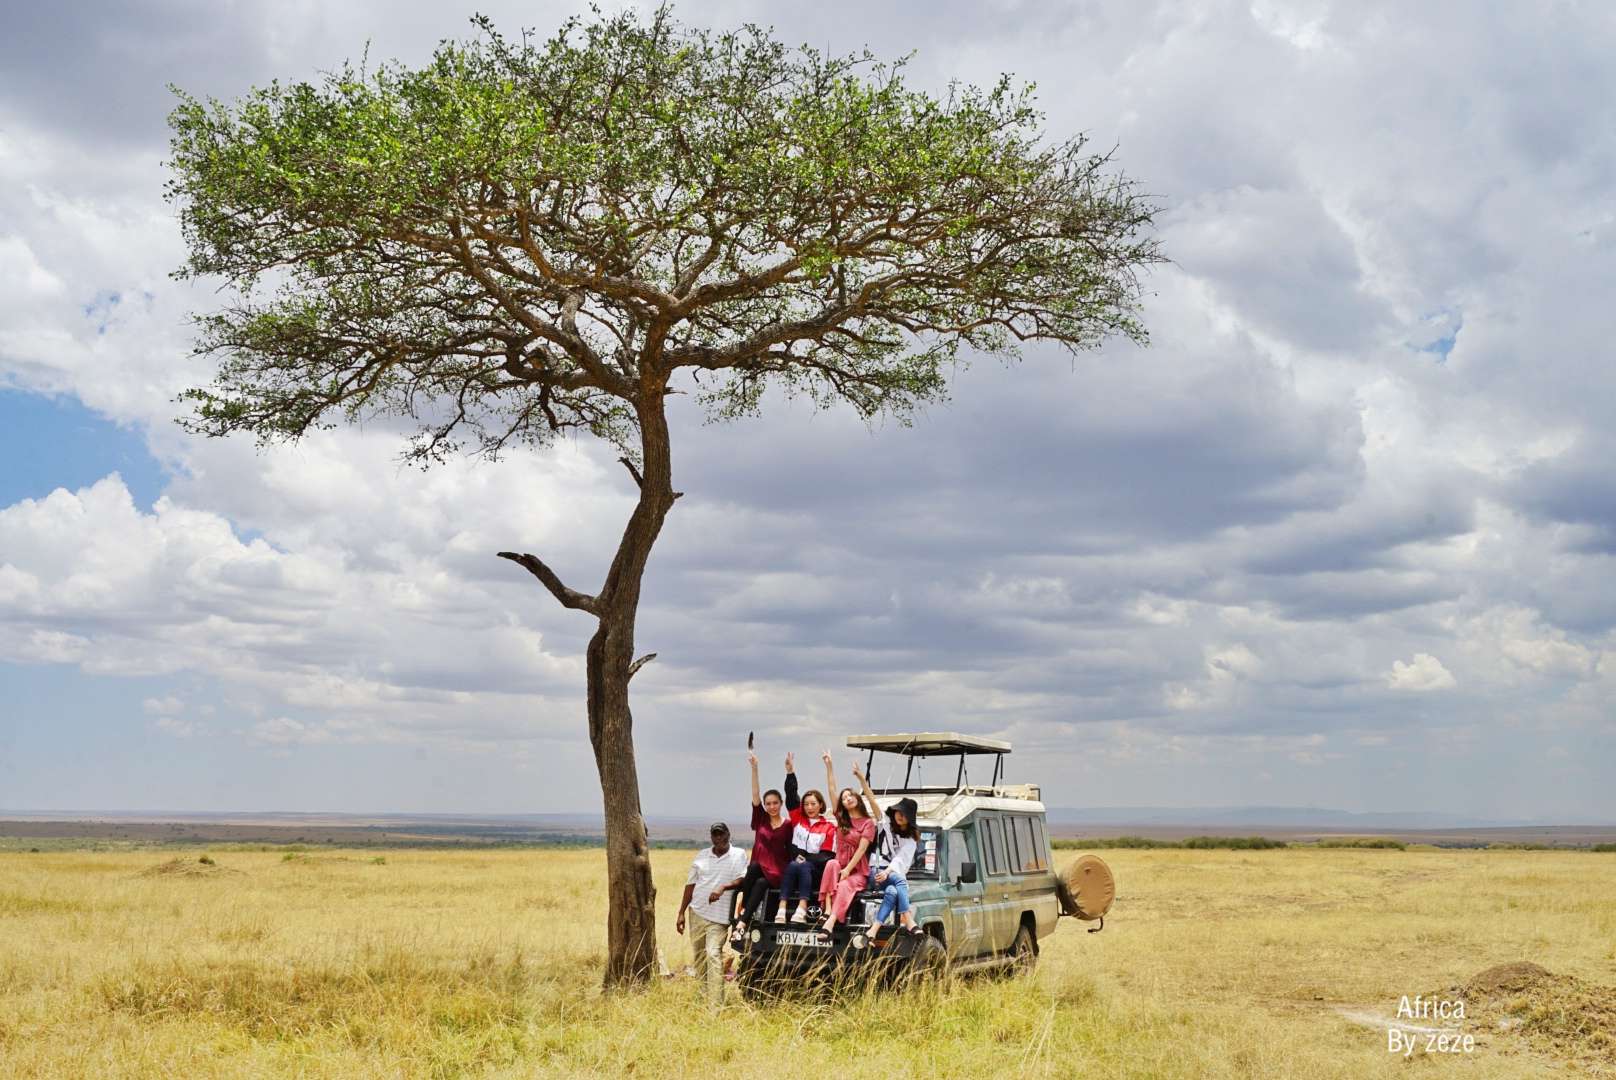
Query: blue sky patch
[[1437, 333], [48, 443]]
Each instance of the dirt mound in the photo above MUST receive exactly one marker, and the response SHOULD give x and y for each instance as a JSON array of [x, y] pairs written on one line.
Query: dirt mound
[[1507, 979], [1557, 1015], [183, 867]]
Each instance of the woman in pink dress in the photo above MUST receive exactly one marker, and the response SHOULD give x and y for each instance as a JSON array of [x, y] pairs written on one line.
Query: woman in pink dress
[[846, 875]]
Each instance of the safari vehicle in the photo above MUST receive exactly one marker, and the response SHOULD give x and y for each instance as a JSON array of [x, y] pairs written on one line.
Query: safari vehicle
[[982, 885]]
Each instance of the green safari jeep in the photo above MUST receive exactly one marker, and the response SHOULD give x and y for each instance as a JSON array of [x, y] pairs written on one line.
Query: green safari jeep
[[982, 885]]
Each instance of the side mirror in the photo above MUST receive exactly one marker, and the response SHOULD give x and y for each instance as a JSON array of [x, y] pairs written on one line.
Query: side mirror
[[967, 874]]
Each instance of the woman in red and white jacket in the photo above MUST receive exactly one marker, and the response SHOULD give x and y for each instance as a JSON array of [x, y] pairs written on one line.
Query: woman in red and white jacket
[[810, 848]]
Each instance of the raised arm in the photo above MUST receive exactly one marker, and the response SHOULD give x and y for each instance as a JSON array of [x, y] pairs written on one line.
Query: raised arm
[[757, 799], [869, 795], [830, 782], [792, 801]]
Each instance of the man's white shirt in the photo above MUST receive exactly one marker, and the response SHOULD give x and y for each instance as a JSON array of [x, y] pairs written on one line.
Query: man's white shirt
[[707, 873]]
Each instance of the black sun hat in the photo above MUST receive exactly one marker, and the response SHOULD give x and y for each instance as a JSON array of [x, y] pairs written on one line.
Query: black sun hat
[[910, 808]]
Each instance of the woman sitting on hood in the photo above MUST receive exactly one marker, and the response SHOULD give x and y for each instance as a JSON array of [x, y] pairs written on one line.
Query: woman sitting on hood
[[897, 838], [812, 838]]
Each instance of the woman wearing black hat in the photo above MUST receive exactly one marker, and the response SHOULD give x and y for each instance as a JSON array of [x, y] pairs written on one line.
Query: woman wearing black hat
[[897, 838]]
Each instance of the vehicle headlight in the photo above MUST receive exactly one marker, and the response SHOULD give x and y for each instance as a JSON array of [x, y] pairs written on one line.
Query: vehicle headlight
[[756, 936], [859, 941]]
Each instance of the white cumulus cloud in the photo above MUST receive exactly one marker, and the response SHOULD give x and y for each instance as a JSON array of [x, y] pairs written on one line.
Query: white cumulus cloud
[[1422, 674]]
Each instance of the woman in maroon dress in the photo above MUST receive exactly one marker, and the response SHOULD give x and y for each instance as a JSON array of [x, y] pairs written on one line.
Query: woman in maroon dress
[[772, 833]]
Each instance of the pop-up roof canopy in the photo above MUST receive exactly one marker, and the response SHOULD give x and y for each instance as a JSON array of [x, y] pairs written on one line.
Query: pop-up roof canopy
[[929, 744]]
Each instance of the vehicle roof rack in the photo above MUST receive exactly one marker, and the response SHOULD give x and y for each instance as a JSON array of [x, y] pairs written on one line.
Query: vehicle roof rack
[[929, 744]]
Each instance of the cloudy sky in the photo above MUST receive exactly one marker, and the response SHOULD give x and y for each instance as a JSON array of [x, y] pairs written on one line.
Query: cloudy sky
[[1340, 536]]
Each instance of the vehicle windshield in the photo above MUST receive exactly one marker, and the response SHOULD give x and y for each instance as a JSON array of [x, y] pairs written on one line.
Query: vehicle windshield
[[925, 864]]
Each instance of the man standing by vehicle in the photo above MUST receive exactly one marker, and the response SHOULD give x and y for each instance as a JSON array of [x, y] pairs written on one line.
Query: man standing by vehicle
[[713, 874]]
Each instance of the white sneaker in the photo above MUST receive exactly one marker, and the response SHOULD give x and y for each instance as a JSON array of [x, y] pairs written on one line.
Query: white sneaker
[[799, 916], [780, 916]]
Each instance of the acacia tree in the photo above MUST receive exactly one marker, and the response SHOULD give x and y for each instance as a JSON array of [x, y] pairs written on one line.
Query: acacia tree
[[524, 239]]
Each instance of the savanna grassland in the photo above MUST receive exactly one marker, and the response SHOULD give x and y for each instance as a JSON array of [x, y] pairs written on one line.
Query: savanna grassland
[[482, 963]]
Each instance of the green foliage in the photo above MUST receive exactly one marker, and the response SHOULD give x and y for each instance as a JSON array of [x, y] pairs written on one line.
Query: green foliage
[[1603, 847], [1363, 842], [1235, 843], [1232, 843], [1497, 846], [522, 239]]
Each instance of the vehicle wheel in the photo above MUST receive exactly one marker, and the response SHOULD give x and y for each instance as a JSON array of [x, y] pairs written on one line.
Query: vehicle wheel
[[1024, 951], [928, 961]]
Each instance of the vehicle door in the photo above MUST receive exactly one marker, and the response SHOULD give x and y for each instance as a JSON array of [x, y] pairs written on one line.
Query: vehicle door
[[1038, 886], [965, 915], [1001, 898]]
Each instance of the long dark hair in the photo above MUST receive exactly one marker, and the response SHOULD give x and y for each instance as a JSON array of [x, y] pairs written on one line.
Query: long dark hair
[[843, 817]]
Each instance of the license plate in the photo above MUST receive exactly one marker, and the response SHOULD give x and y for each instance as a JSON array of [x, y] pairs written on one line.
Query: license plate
[[800, 937]]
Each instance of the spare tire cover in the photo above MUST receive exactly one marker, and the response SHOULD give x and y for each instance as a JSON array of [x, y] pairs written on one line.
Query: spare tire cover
[[1089, 885]]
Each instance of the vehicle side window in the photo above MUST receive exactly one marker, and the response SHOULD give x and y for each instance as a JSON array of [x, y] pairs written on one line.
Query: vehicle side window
[[1012, 862], [1026, 853], [1040, 845], [959, 852], [993, 833]]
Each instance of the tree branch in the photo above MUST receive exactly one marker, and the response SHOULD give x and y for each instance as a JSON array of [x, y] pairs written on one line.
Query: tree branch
[[632, 471], [638, 664], [569, 597]]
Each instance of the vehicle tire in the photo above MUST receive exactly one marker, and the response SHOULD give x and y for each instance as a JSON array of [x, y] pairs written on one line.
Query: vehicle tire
[[1090, 888], [928, 962], [1024, 951]]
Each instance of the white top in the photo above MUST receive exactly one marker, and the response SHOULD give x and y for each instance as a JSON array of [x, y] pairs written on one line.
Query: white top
[[707, 873], [807, 842], [901, 847]]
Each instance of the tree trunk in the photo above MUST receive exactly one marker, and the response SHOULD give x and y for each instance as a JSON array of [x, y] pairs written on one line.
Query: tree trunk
[[631, 911], [631, 894], [631, 916]]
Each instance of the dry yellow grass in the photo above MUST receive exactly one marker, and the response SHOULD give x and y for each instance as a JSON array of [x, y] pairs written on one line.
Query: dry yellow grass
[[440, 964]]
